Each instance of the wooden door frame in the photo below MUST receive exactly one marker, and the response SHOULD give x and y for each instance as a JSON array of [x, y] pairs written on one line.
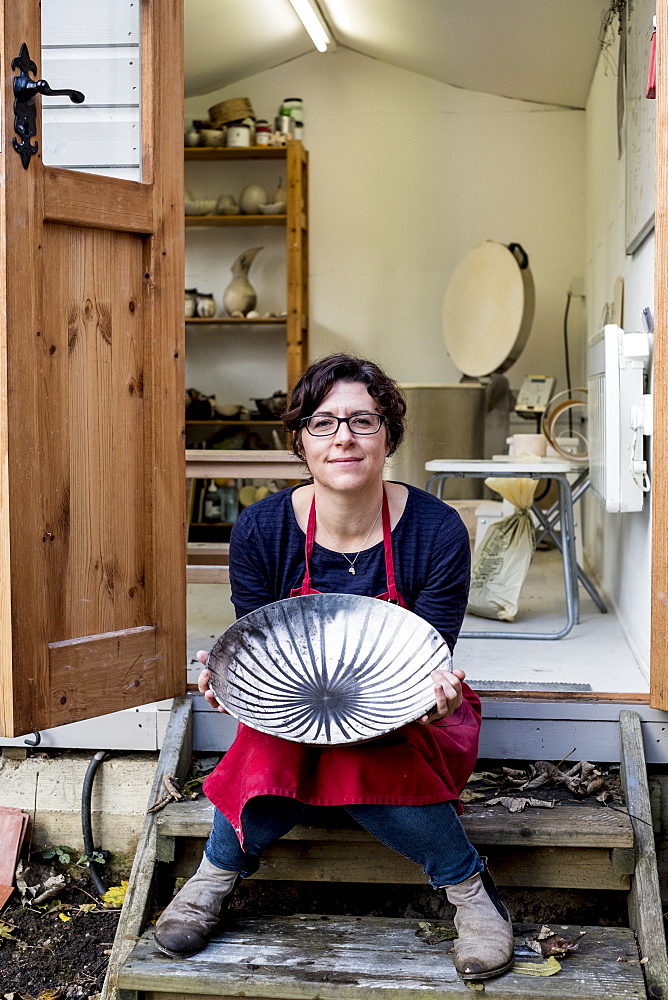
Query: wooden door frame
[[659, 518]]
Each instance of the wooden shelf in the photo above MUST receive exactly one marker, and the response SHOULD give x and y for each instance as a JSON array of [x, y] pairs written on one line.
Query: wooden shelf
[[205, 153], [236, 423], [235, 220], [236, 321], [211, 524]]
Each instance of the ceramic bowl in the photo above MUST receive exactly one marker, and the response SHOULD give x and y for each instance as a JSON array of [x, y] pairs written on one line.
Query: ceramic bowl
[[327, 668], [230, 409], [211, 136], [203, 207], [275, 208]]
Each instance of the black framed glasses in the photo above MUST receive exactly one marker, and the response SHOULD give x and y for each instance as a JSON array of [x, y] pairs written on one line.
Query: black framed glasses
[[324, 425]]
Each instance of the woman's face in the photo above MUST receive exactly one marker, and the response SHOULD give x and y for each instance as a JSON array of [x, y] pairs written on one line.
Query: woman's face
[[346, 461]]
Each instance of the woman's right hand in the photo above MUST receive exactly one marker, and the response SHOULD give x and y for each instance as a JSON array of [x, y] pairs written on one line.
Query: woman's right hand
[[203, 683]]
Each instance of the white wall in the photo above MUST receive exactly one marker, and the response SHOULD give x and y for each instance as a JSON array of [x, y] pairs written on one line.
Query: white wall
[[617, 545], [407, 174]]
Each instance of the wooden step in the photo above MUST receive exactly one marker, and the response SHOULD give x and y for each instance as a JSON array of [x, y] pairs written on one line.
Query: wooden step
[[569, 846], [348, 958], [564, 826]]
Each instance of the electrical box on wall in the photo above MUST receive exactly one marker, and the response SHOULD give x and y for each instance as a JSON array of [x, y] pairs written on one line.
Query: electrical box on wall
[[620, 413]]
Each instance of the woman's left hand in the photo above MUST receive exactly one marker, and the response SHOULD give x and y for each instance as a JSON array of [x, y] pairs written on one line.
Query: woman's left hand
[[448, 694]]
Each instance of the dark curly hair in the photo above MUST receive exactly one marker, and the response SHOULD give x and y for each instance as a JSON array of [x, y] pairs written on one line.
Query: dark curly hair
[[319, 378]]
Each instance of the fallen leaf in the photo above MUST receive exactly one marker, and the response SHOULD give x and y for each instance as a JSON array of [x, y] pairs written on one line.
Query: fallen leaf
[[534, 945], [51, 994], [560, 947], [544, 932], [113, 898], [64, 917], [517, 803], [51, 888], [468, 795], [6, 932], [432, 934], [476, 987], [87, 907], [596, 785], [549, 968]]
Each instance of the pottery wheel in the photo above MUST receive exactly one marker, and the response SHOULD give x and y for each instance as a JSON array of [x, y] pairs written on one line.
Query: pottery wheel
[[488, 310], [327, 668]]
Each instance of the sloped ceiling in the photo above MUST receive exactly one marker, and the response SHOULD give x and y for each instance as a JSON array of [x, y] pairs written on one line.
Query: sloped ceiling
[[533, 50]]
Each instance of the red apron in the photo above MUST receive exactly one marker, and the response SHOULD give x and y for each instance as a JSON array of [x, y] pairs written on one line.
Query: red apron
[[414, 765]]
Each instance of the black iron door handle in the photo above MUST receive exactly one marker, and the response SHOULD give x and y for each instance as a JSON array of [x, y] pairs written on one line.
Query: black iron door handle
[[25, 112], [26, 90]]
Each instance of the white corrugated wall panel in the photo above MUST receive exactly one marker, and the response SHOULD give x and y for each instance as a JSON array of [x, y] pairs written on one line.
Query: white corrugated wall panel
[[92, 46]]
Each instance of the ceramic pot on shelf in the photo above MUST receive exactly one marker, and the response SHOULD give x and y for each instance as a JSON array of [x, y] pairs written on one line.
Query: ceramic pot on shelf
[[191, 302], [252, 196], [206, 306], [227, 205], [239, 296]]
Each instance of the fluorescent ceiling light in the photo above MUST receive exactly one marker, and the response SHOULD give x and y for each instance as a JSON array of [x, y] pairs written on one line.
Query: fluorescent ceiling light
[[312, 23]]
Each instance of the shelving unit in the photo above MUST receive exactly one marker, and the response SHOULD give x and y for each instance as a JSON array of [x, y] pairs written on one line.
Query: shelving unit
[[295, 222], [294, 325]]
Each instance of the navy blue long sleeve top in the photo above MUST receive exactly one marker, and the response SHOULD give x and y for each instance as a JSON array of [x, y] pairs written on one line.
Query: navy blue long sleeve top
[[432, 560]]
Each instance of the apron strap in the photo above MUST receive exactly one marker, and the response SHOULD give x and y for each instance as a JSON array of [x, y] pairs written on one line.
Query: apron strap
[[392, 592], [308, 551]]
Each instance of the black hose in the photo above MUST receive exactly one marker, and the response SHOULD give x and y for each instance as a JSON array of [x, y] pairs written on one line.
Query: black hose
[[86, 824]]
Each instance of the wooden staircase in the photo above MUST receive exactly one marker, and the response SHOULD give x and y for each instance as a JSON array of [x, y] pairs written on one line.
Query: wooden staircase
[[306, 957]]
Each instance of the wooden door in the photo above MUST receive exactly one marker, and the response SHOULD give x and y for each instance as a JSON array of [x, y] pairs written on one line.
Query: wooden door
[[92, 498]]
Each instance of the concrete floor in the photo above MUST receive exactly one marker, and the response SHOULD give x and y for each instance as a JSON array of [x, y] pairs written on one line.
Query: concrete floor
[[595, 653]]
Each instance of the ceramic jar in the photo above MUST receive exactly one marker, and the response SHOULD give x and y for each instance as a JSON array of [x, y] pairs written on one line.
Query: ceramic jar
[[262, 132], [191, 303], [250, 199], [238, 135], [206, 306]]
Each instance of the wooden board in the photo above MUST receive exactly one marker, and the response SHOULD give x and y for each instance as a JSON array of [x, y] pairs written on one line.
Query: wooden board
[[659, 495], [174, 761], [341, 958], [230, 464], [373, 862], [567, 826], [645, 905]]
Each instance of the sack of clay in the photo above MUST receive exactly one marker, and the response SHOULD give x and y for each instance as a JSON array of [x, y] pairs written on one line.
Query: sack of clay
[[502, 561]]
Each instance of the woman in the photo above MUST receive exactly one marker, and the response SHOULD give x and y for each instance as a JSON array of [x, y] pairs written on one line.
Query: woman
[[349, 532]]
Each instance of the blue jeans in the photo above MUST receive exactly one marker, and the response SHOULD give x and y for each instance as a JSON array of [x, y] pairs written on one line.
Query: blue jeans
[[430, 835]]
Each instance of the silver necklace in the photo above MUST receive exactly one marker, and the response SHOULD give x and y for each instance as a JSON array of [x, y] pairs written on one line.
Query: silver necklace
[[351, 562]]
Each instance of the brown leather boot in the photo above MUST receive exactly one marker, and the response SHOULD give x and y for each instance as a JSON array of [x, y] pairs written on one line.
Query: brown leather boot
[[185, 925], [484, 948]]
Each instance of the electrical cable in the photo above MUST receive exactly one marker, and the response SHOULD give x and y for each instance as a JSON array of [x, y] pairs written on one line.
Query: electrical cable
[[86, 823], [567, 360]]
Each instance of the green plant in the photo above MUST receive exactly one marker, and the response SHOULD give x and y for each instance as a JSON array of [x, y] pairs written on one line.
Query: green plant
[[64, 854], [61, 852]]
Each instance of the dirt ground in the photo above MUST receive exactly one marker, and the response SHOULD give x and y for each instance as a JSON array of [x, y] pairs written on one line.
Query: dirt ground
[[48, 953]]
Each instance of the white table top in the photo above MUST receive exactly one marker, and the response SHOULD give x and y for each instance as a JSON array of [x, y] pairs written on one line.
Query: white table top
[[504, 465]]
